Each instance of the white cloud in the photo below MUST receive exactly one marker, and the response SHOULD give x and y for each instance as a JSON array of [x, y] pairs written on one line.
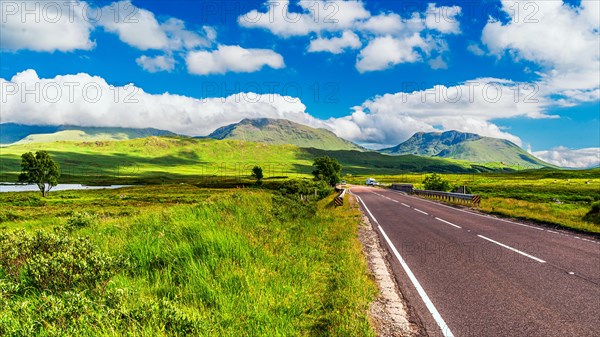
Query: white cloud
[[135, 26], [475, 49], [232, 59], [133, 107], [44, 26], [409, 39], [316, 16], [564, 157], [335, 45], [156, 63], [385, 52], [468, 107], [438, 63], [444, 19], [560, 38]]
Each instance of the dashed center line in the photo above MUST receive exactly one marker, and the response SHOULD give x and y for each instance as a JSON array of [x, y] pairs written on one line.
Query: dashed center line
[[420, 211], [513, 249], [449, 223], [403, 204]]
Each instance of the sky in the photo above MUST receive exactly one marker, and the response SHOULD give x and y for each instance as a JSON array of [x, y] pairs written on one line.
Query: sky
[[373, 72]]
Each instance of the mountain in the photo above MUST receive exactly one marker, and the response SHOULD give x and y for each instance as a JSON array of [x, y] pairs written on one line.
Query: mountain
[[19, 133], [466, 146], [283, 131]]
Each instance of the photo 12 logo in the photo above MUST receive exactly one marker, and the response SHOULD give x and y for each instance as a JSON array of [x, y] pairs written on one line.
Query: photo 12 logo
[[54, 92], [67, 11]]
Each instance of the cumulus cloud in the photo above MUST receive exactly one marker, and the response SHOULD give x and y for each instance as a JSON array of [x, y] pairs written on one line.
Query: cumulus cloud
[[314, 17], [44, 26], [410, 39], [469, 107], [384, 52], [561, 38], [335, 45], [232, 59], [86, 100], [565, 157], [156, 63], [444, 19]]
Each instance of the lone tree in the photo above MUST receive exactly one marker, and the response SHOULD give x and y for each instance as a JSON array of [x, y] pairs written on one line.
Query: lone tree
[[327, 169], [435, 182], [39, 169], [257, 173]]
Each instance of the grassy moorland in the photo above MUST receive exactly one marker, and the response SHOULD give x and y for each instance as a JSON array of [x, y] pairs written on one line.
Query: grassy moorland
[[180, 260], [557, 197], [177, 159]]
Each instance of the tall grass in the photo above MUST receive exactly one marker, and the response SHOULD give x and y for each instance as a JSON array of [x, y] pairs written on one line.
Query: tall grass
[[240, 263]]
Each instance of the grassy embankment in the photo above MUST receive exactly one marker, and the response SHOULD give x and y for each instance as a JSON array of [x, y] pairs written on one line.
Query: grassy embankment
[[180, 260], [560, 198]]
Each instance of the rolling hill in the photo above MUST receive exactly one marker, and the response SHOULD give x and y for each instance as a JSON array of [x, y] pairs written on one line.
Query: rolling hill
[[19, 133], [282, 131], [466, 146], [162, 159]]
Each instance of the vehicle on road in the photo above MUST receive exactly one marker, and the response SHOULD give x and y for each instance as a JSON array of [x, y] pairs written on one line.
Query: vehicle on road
[[372, 182], [343, 182]]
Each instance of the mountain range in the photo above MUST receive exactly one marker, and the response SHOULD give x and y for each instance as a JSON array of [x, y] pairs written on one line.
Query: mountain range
[[466, 146], [449, 145]]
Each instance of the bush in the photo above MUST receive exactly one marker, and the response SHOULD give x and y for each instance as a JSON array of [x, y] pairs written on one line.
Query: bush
[[593, 215], [306, 188], [80, 220], [435, 182], [54, 262]]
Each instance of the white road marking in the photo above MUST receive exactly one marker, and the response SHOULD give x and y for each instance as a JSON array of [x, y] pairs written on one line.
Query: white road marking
[[403, 204], [511, 248], [436, 315], [420, 211], [449, 223]]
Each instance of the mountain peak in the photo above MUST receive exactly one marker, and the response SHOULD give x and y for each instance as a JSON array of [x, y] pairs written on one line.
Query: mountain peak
[[465, 146], [282, 131]]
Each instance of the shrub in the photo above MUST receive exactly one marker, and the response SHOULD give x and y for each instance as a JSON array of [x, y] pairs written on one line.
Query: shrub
[[593, 215], [54, 262], [435, 182], [296, 187], [79, 220]]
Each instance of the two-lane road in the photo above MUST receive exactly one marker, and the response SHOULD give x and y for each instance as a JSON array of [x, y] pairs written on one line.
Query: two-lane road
[[467, 274]]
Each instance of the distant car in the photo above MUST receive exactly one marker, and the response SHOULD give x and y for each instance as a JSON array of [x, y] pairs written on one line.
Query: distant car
[[343, 182], [372, 182]]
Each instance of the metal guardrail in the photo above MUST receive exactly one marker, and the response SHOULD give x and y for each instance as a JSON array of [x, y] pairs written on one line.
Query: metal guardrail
[[473, 199], [339, 200]]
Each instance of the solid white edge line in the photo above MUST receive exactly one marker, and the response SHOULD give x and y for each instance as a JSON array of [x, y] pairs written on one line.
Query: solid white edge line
[[436, 315], [514, 250], [420, 211], [448, 222]]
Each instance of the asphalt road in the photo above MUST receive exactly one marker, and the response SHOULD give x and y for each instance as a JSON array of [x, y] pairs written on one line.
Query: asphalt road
[[466, 274]]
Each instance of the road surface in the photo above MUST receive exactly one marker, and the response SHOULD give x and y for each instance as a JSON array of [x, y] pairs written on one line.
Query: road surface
[[467, 274]]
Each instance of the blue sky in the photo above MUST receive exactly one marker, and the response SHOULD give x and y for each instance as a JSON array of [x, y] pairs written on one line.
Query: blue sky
[[360, 69]]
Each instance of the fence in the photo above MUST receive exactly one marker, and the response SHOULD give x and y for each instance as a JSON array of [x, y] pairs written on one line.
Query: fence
[[472, 199]]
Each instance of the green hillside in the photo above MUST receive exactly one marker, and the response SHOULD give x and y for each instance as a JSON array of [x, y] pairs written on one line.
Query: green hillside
[[178, 158], [11, 133], [467, 146], [282, 131]]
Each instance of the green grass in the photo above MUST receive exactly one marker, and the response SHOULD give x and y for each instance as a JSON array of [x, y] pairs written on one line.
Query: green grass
[[243, 262], [176, 159], [556, 197]]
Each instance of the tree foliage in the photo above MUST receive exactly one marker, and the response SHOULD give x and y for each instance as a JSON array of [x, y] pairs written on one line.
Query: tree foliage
[[257, 173], [39, 169], [327, 169], [435, 182]]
